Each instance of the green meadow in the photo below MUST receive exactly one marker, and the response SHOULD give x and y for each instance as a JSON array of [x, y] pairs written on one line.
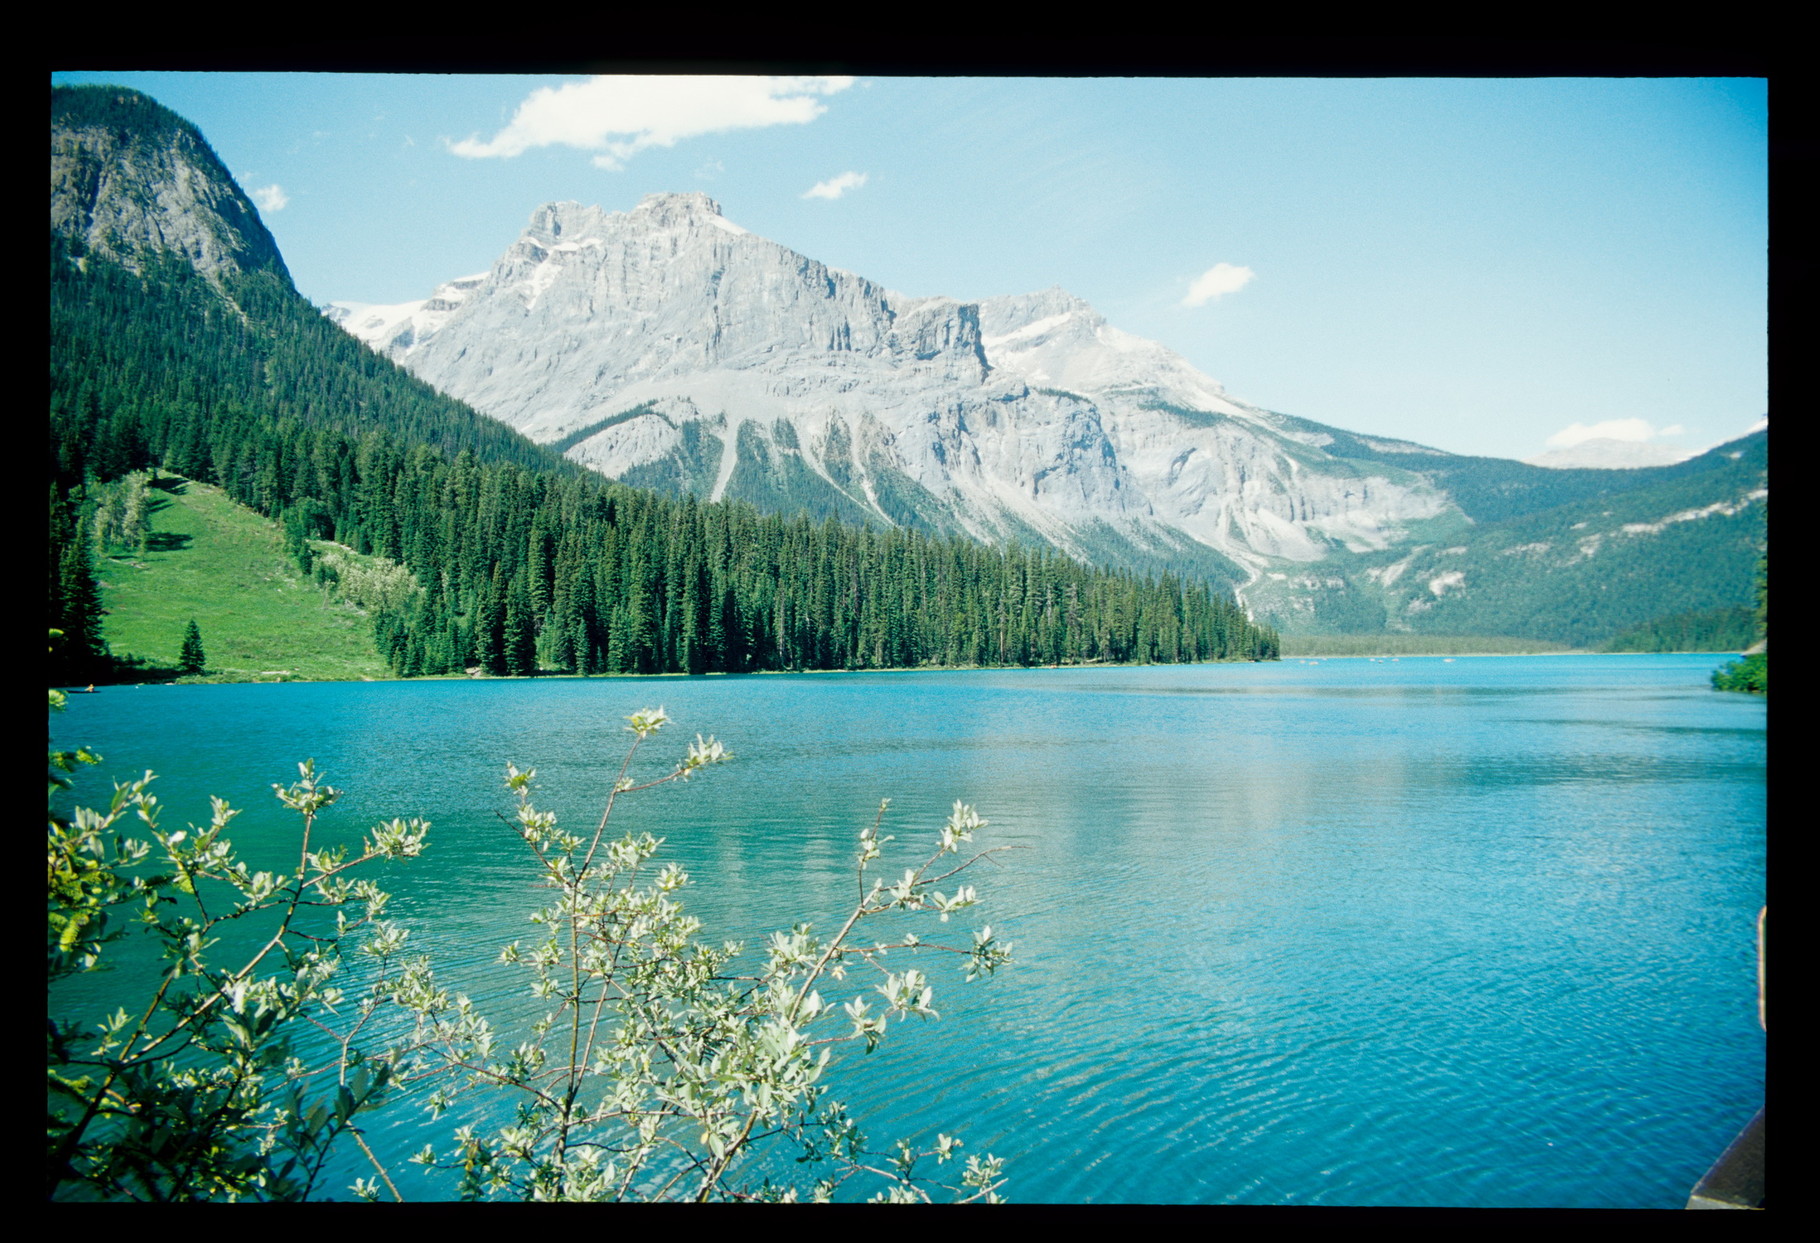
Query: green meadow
[[218, 562]]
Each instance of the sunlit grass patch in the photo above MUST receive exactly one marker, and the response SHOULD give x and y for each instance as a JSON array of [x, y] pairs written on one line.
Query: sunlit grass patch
[[223, 565]]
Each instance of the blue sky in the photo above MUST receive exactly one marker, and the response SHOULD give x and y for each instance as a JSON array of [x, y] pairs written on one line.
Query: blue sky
[[1479, 264]]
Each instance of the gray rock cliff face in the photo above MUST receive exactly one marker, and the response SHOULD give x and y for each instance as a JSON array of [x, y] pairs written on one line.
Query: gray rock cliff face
[[667, 343], [129, 179]]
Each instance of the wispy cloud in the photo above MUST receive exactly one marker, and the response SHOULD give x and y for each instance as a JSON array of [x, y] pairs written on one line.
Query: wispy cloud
[[270, 198], [834, 187], [619, 116], [1637, 430], [1217, 281]]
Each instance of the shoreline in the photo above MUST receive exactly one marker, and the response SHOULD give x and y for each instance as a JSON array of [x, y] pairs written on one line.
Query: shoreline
[[759, 673]]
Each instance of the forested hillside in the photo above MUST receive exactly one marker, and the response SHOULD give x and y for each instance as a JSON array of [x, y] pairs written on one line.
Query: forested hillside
[[1493, 490], [1679, 540], [1706, 630], [512, 559]]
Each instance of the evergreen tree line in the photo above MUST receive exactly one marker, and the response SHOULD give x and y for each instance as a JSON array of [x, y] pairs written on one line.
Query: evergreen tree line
[[1708, 630], [158, 358], [1751, 674], [78, 652], [521, 561]]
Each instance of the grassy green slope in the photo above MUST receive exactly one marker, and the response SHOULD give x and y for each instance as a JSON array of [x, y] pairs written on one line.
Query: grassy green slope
[[222, 564]]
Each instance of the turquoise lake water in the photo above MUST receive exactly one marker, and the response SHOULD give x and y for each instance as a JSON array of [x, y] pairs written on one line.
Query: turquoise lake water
[[1473, 932]]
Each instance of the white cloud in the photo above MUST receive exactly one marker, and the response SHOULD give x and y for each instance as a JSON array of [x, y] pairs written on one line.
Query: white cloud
[[1217, 281], [1637, 430], [270, 198], [619, 115], [834, 187]]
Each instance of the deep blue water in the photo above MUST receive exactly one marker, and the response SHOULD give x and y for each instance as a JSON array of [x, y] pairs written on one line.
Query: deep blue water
[[1473, 933]]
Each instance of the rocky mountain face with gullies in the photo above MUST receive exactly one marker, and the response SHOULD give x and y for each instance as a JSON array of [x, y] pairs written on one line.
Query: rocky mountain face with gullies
[[670, 348], [131, 179]]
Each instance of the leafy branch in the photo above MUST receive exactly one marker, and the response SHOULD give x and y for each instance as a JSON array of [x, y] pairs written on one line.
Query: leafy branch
[[196, 1095], [658, 1071], [676, 1078]]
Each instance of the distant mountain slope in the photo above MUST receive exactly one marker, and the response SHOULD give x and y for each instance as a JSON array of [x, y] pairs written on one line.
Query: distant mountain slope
[[1580, 572], [1490, 489], [1603, 453], [153, 243], [667, 346], [670, 348]]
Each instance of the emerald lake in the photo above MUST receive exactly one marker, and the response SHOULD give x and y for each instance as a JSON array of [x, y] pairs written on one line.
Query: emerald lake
[[1475, 932]]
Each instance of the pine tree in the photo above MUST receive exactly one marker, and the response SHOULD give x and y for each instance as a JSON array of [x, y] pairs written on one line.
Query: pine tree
[[519, 633], [191, 659], [490, 634], [80, 655]]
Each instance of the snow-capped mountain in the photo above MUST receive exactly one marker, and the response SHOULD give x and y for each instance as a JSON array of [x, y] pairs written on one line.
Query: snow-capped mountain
[[667, 345]]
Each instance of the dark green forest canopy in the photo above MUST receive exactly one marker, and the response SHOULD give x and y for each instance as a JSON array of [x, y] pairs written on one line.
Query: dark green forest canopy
[[525, 561], [1705, 630]]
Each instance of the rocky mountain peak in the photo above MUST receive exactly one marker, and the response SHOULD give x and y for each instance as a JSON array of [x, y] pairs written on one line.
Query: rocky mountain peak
[[667, 345], [131, 179], [677, 208], [555, 221]]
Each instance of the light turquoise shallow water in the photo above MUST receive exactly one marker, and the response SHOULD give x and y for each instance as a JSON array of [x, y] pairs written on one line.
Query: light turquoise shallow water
[[1474, 932]]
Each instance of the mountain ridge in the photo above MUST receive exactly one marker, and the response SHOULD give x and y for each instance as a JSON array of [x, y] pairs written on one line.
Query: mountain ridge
[[668, 347], [1021, 416], [107, 146]]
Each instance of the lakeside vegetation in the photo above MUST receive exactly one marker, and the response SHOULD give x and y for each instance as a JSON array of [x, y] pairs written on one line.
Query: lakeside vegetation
[[1751, 674], [1708, 630], [702, 1070]]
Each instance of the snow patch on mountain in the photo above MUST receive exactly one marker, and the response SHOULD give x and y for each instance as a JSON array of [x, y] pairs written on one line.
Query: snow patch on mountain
[[397, 328], [1054, 339]]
